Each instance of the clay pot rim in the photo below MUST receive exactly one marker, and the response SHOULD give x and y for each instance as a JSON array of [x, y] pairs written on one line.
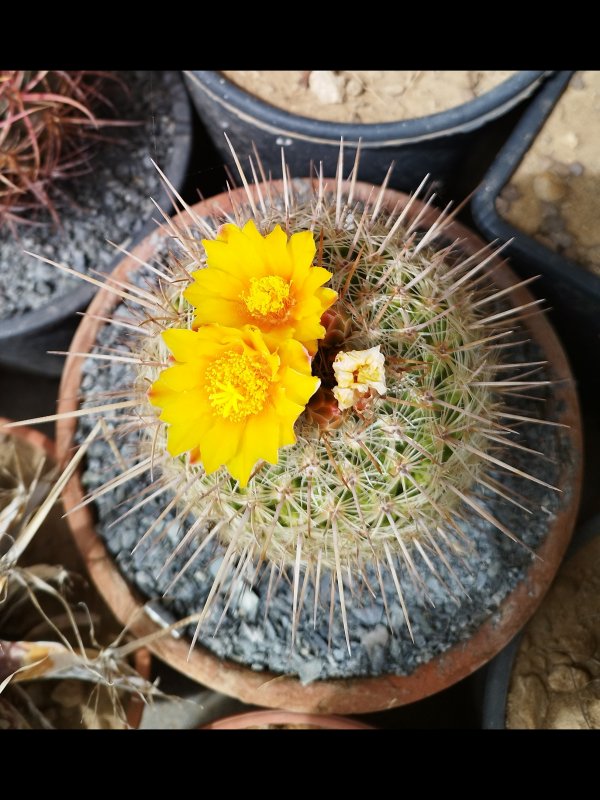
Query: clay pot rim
[[349, 695], [278, 717]]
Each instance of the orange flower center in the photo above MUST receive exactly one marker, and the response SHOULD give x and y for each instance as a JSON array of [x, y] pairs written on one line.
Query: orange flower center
[[237, 385], [268, 299]]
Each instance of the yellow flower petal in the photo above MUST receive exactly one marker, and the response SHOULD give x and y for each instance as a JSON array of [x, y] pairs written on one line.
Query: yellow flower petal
[[301, 248], [220, 443], [232, 401], [178, 378], [185, 345], [262, 280], [230, 313], [275, 252], [314, 279], [186, 435], [214, 282]]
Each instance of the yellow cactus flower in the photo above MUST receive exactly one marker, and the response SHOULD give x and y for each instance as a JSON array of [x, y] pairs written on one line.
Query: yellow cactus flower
[[267, 281], [229, 399], [356, 373]]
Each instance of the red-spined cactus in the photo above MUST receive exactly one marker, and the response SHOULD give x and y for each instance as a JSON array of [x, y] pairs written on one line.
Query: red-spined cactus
[[48, 122]]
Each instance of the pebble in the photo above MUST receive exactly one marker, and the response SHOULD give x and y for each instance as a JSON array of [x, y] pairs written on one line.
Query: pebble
[[566, 678], [570, 139], [548, 187], [354, 87], [248, 605], [309, 671], [326, 86]]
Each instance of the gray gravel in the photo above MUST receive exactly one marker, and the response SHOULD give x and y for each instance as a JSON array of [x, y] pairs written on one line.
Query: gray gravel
[[111, 202], [263, 642]]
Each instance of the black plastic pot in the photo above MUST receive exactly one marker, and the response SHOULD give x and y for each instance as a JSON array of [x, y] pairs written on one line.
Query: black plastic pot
[[572, 291], [25, 339], [433, 144], [498, 672]]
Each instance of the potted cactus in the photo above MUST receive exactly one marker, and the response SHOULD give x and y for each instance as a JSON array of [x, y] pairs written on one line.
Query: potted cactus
[[75, 170], [321, 415]]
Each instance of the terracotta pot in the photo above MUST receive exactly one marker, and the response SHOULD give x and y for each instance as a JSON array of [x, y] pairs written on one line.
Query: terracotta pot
[[284, 719], [345, 696], [41, 550]]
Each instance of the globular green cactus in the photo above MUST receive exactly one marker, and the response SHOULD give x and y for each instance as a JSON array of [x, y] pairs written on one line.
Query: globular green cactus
[[387, 477]]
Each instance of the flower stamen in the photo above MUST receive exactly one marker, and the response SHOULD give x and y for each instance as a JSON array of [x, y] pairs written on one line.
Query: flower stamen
[[237, 385], [268, 299]]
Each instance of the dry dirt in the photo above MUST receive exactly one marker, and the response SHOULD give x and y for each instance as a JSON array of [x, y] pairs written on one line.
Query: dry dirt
[[554, 195], [366, 96], [556, 676]]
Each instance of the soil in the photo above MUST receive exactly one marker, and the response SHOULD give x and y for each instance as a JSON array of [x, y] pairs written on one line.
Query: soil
[[554, 195], [110, 202], [366, 96], [556, 676]]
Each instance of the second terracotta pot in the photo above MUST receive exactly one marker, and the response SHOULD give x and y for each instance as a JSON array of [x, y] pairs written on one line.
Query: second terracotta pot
[[341, 696]]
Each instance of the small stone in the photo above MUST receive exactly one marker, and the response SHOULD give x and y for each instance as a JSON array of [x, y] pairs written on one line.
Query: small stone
[[340, 653], [576, 168], [561, 168], [593, 713], [326, 86], [369, 615], [526, 213], [527, 703], [566, 716], [565, 678], [548, 187], [310, 671], [502, 206], [146, 583], [570, 140], [248, 605], [563, 239], [511, 192], [378, 637], [354, 87]]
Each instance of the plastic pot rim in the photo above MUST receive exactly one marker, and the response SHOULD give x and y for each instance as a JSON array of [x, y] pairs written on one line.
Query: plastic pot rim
[[488, 220], [459, 119]]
